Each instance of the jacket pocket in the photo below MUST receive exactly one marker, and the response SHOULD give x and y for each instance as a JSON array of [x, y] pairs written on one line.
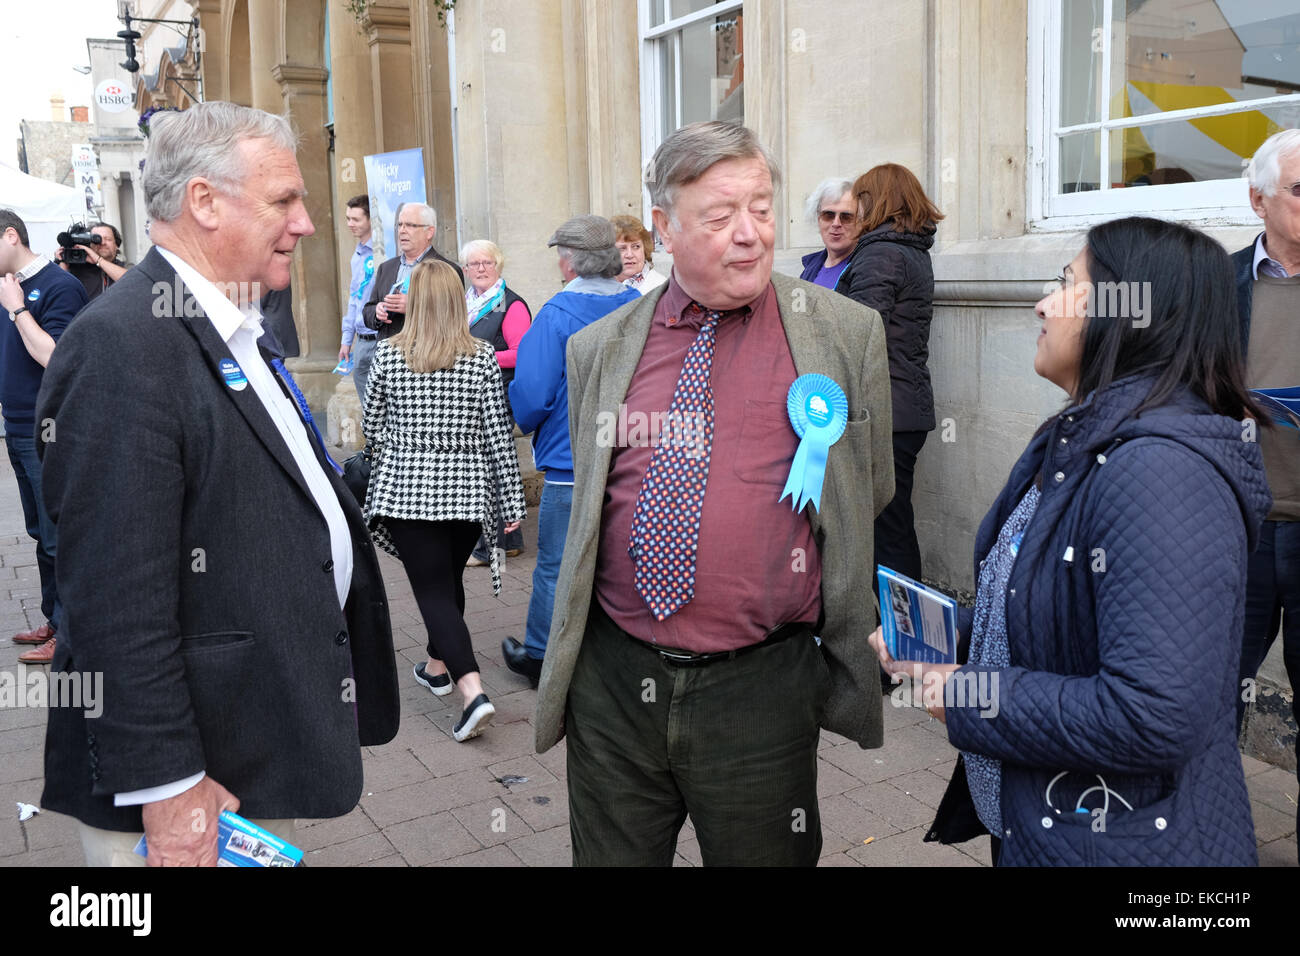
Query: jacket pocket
[[759, 459], [214, 640]]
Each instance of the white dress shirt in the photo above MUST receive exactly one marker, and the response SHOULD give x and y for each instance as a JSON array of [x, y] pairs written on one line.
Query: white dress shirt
[[240, 330]]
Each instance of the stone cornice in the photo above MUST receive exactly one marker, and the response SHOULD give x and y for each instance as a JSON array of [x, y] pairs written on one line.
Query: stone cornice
[[299, 75]]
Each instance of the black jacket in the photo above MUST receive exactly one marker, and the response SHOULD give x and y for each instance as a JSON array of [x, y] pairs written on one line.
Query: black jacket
[[196, 577], [891, 273], [382, 284]]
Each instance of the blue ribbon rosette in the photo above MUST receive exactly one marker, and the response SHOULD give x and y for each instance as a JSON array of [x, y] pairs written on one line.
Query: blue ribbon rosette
[[819, 410]]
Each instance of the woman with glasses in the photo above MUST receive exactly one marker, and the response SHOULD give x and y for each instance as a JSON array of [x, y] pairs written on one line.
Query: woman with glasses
[[499, 316], [444, 464], [1095, 710], [890, 272], [832, 208]]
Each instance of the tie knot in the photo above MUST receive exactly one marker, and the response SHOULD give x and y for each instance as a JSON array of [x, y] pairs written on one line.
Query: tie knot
[[710, 316]]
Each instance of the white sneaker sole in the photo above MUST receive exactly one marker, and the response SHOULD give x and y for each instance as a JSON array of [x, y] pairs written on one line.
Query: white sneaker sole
[[437, 691], [477, 723]]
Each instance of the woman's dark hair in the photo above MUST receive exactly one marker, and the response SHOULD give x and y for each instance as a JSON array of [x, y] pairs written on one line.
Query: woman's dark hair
[[1163, 300], [892, 192]]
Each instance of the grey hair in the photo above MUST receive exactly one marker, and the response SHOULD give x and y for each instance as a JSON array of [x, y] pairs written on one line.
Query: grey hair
[[828, 191], [428, 215], [691, 151], [486, 246], [1265, 167], [203, 141], [590, 263]]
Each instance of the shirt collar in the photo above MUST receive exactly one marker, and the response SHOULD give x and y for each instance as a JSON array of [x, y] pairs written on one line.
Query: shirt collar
[[595, 285], [1267, 263], [33, 267], [416, 261], [225, 316], [676, 304], [364, 247]]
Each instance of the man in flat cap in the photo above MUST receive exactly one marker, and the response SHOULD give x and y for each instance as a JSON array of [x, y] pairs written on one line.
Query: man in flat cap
[[539, 396]]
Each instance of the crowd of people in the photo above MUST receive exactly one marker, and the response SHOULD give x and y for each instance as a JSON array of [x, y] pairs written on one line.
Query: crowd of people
[[1131, 576]]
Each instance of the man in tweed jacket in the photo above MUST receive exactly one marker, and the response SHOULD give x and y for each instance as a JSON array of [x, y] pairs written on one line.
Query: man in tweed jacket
[[671, 716]]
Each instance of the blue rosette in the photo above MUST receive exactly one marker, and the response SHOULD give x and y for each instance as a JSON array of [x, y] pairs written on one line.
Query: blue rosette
[[819, 411]]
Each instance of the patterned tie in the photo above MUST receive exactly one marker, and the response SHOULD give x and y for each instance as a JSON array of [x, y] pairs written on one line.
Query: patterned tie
[[304, 409], [666, 523]]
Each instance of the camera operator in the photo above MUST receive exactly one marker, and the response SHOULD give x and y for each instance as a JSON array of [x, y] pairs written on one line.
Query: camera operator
[[94, 261]]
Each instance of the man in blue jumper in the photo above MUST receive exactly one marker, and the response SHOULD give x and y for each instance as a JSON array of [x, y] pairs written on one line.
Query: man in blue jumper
[[39, 300], [539, 396]]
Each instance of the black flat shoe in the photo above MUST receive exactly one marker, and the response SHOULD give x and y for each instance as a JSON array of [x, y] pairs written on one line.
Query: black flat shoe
[[517, 660], [440, 684], [475, 718]]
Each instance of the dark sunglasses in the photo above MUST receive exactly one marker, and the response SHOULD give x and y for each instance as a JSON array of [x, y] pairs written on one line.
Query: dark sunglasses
[[846, 218]]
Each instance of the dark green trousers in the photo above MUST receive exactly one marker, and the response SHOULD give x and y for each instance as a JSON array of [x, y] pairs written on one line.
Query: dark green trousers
[[734, 744]]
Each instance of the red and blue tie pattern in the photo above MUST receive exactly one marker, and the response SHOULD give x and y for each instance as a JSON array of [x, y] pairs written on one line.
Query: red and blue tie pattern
[[666, 523]]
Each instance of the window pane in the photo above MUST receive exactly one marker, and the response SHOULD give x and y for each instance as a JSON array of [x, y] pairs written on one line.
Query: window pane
[[1081, 31], [1080, 162], [1214, 147], [668, 92], [713, 70], [657, 12], [1172, 54]]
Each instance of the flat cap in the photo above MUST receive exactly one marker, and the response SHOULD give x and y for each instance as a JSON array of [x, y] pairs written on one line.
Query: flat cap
[[585, 232]]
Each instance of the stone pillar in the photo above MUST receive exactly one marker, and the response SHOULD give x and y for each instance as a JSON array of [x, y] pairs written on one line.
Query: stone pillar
[[354, 123], [388, 31], [315, 294], [112, 205], [431, 95], [264, 54], [212, 43]]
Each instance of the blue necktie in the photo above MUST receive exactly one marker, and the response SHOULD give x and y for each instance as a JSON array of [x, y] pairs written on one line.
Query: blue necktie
[[302, 407]]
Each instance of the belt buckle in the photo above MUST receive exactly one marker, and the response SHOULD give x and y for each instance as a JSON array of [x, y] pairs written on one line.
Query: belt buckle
[[672, 658]]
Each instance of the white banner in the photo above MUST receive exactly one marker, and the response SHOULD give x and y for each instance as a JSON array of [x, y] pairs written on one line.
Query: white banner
[[85, 175]]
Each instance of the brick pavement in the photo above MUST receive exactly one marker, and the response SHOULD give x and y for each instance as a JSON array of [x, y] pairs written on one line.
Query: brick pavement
[[492, 801]]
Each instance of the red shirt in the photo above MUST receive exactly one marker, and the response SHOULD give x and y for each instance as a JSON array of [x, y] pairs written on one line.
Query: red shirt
[[757, 566]]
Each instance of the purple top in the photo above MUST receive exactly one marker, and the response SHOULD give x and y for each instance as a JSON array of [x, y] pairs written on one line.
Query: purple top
[[829, 276]]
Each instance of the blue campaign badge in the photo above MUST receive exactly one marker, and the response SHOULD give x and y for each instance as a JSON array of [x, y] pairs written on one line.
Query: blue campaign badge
[[819, 412], [33, 295], [233, 374]]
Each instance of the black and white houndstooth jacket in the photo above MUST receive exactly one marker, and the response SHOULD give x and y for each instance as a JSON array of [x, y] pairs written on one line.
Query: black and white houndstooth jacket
[[442, 445]]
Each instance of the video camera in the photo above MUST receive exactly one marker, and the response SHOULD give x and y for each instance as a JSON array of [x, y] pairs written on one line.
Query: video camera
[[78, 234]]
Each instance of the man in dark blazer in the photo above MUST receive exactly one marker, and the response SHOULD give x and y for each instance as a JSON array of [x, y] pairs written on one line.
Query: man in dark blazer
[[417, 226], [1268, 300], [217, 573], [712, 707]]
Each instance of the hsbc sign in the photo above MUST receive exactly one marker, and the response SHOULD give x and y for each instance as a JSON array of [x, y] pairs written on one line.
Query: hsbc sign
[[112, 96]]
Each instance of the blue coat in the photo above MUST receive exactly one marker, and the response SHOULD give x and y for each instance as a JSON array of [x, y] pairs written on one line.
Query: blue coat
[[1124, 620]]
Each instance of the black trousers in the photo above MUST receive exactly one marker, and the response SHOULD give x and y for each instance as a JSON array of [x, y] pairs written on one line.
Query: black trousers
[[434, 555], [895, 530]]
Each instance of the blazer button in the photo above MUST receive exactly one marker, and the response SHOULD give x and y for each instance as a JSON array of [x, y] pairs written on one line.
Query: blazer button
[[1059, 476], [341, 638], [328, 566]]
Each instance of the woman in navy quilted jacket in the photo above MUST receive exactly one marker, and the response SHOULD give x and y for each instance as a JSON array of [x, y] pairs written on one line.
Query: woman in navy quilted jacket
[[1096, 711]]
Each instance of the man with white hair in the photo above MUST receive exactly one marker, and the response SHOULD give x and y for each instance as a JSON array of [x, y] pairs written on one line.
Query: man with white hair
[[417, 226], [1268, 300], [216, 573]]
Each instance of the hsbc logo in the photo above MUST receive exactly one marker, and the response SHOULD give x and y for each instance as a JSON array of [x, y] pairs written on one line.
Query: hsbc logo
[[112, 97]]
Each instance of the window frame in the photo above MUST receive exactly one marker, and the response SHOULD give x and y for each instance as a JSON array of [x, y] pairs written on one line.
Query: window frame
[[651, 66], [1219, 201]]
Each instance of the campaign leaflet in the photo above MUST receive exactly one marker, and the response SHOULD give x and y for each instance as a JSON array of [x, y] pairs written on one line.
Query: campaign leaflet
[[241, 842], [918, 623], [1283, 404]]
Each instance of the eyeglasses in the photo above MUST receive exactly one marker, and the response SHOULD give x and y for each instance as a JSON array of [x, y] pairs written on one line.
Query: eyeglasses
[[413, 225], [829, 215], [480, 264]]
